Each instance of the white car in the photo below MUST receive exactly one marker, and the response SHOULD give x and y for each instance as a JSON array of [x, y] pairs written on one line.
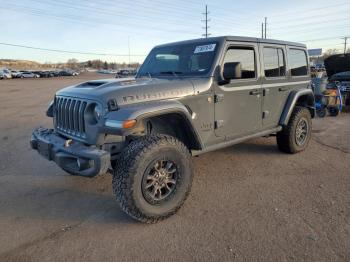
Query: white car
[[5, 74], [15, 73], [27, 75]]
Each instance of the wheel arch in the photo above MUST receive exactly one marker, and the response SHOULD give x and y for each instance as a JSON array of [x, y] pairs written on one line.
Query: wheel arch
[[162, 117], [303, 98], [174, 123]]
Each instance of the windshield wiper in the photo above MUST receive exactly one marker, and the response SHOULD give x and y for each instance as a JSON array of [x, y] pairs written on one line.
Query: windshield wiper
[[148, 74], [174, 73]]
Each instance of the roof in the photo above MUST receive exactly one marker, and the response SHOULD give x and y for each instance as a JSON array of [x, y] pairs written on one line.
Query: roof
[[240, 39]]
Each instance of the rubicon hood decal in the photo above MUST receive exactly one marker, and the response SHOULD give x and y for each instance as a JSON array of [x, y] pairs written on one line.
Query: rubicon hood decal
[[130, 90]]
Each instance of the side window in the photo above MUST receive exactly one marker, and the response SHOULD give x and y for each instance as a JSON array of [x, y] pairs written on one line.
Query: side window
[[297, 62], [274, 62], [245, 56]]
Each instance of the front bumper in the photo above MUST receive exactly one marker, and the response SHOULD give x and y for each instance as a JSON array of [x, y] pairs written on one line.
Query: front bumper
[[73, 157]]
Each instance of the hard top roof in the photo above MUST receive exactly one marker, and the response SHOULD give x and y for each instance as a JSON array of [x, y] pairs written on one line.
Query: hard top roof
[[238, 38]]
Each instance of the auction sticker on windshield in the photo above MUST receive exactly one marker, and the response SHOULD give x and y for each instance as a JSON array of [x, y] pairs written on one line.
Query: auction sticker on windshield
[[205, 48]]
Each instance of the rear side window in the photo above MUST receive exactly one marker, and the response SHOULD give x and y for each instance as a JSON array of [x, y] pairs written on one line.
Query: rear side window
[[245, 56], [297, 62], [274, 62]]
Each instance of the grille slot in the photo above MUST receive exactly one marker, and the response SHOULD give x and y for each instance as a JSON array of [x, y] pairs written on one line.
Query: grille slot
[[69, 116]]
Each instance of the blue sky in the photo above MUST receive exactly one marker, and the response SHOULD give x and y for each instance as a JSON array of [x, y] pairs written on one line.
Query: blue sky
[[105, 26]]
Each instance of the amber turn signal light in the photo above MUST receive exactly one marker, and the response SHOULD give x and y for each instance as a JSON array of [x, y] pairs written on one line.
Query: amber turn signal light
[[129, 123]]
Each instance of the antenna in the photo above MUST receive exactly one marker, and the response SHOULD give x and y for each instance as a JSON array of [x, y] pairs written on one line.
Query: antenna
[[206, 22]]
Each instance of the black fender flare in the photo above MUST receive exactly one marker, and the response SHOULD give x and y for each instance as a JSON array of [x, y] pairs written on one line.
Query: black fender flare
[[292, 101], [144, 111]]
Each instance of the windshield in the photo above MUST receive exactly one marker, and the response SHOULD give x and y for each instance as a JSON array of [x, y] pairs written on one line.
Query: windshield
[[193, 59]]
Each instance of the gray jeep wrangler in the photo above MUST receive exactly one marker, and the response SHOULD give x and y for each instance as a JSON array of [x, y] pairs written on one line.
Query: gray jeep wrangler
[[187, 98]]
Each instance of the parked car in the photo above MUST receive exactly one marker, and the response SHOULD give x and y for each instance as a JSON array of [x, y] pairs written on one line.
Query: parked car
[[188, 98], [43, 74], [65, 73], [5, 74], [338, 71], [25, 74], [54, 73], [14, 73], [125, 73]]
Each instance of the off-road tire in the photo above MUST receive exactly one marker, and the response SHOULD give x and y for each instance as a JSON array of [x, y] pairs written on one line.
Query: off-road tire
[[286, 139], [321, 112], [131, 167], [333, 111]]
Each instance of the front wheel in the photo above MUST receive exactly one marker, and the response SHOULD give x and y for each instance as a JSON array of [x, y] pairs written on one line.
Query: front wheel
[[296, 135], [152, 177]]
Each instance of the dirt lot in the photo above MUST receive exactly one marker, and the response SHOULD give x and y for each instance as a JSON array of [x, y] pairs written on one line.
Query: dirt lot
[[249, 202]]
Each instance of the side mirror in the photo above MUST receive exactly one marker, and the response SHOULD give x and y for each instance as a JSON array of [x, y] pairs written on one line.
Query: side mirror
[[232, 71]]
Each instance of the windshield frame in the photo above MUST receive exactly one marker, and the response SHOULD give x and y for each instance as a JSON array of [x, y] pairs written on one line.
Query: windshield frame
[[175, 74]]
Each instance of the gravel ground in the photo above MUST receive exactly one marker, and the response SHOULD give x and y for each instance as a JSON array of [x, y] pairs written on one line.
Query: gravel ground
[[249, 202]]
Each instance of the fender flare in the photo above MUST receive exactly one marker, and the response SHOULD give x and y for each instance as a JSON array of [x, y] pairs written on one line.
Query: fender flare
[[292, 100], [143, 111]]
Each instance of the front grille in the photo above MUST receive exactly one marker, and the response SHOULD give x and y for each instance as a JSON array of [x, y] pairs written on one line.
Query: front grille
[[69, 116]]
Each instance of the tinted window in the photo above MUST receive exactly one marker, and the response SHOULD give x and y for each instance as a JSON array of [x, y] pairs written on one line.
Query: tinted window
[[274, 62], [180, 60], [246, 57], [297, 62]]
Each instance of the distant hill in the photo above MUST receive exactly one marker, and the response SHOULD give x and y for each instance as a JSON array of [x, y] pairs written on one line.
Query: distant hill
[[20, 64], [71, 63]]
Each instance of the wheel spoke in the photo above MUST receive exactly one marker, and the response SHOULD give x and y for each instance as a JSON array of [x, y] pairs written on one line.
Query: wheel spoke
[[157, 166], [149, 185], [171, 181], [167, 187], [160, 181], [168, 165]]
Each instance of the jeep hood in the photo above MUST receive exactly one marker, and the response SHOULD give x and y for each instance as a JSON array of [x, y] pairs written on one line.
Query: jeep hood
[[130, 90]]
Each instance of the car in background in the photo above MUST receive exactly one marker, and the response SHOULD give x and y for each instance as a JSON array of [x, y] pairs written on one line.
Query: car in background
[[43, 74], [26, 74], [55, 73], [14, 73], [65, 73], [126, 73], [5, 74]]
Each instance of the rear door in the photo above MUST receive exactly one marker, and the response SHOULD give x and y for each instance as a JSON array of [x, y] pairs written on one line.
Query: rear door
[[275, 83], [238, 103]]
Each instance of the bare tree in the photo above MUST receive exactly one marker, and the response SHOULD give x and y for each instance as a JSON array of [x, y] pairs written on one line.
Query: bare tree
[[73, 63]]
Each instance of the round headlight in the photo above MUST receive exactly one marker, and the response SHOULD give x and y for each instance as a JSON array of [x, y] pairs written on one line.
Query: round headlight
[[98, 112]]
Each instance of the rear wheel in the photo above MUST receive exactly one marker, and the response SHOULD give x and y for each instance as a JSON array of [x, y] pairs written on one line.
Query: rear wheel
[[296, 135], [152, 177]]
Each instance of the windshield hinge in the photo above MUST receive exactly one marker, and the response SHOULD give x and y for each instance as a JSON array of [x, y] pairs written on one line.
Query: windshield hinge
[[218, 98]]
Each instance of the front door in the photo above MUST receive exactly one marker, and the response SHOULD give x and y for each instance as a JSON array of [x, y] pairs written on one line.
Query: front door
[[238, 103]]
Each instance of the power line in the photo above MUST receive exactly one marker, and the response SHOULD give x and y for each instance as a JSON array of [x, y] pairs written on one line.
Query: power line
[[67, 51], [206, 22]]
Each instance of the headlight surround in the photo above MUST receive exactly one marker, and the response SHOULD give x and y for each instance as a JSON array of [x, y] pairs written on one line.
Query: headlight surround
[[94, 113], [98, 111]]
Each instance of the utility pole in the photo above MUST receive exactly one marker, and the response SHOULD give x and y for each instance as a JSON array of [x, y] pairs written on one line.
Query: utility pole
[[265, 26], [206, 22], [345, 43], [129, 49], [262, 30]]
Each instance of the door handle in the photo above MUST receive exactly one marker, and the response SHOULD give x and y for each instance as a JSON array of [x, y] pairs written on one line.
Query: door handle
[[283, 88], [255, 92]]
